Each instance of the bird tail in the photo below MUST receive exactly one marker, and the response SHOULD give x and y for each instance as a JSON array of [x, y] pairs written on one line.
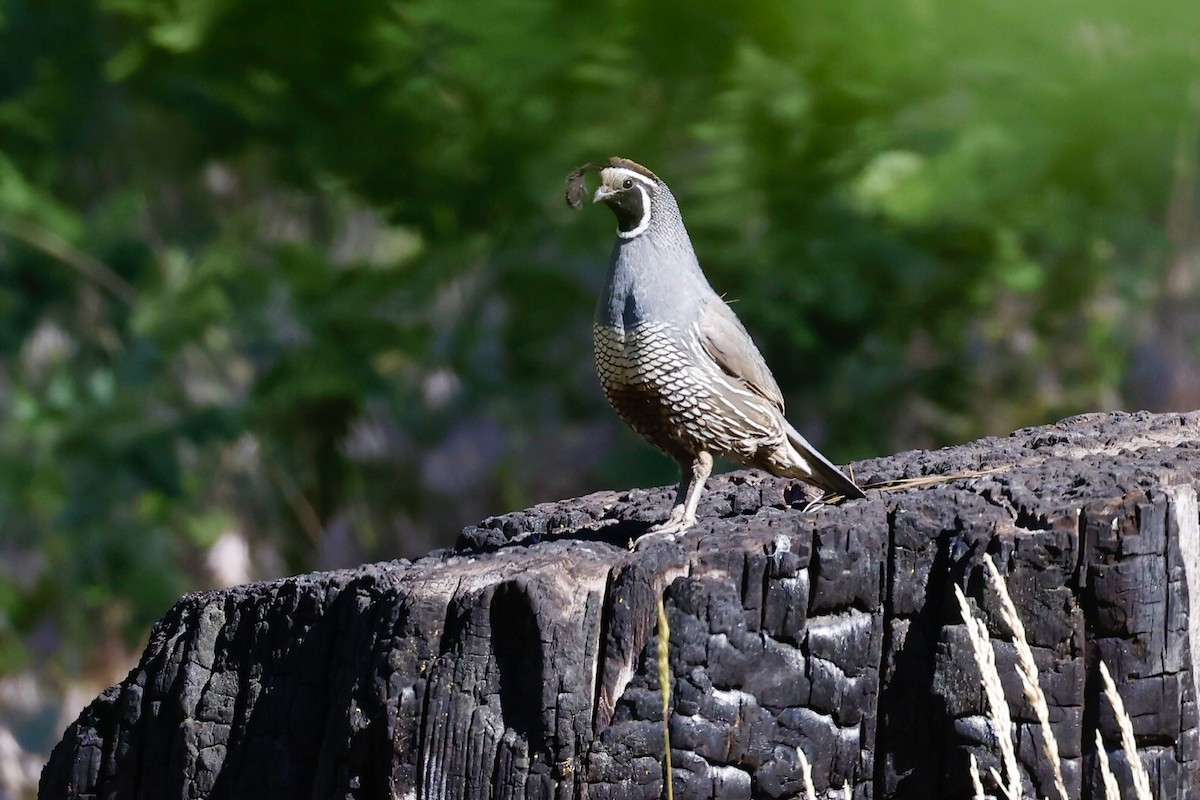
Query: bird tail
[[824, 473]]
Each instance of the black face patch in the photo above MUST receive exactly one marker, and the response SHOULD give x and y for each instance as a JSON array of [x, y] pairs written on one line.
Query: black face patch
[[628, 206]]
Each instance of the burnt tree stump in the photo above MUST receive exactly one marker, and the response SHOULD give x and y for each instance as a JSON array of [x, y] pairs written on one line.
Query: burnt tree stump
[[522, 662]]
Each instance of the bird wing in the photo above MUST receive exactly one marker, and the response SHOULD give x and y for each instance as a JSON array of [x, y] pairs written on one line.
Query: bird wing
[[730, 346]]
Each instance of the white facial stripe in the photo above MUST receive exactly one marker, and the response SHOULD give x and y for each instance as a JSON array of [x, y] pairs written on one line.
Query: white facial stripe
[[645, 223], [625, 173]]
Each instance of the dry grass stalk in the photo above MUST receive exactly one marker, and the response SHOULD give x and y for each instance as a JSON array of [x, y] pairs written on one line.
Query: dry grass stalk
[[985, 658], [976, 781], [810, 791], [1028, 672], [925, 480], [1111, 792], [1141, 781], [929, 480], [664, 681]]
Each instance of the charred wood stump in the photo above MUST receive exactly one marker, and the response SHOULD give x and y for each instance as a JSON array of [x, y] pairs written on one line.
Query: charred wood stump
[[523, 662]]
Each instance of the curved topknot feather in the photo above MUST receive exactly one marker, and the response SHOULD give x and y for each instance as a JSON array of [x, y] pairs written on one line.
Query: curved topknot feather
[[577, 190]]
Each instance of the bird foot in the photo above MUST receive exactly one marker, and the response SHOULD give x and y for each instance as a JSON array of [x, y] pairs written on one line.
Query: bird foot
[[651, 537], [678, 522]]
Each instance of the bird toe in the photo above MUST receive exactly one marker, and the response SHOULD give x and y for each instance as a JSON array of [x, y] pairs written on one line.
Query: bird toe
[[653, 537]]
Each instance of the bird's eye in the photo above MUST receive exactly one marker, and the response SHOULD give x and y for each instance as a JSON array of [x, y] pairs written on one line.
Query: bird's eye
[[628, 183]]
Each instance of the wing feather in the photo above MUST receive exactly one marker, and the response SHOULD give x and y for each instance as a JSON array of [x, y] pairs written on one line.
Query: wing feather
[[725, 339]]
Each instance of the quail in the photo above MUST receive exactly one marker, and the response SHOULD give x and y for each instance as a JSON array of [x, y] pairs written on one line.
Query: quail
[[674, 360]]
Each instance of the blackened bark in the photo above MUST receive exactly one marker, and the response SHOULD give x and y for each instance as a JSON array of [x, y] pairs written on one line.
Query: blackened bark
[[522, 663]]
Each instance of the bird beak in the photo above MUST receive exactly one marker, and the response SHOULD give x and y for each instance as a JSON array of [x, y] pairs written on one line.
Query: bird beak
[[603, 193]]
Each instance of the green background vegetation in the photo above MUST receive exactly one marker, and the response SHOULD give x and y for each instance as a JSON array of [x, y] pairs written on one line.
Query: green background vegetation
[[299, 276]]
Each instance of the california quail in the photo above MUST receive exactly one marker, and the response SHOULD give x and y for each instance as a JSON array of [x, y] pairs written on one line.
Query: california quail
[[674, 359]]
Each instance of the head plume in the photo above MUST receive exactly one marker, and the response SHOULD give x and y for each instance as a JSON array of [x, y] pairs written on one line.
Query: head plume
[[577, 190]]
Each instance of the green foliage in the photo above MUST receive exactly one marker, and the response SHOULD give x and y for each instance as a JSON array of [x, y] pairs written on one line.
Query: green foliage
[[297, 269]]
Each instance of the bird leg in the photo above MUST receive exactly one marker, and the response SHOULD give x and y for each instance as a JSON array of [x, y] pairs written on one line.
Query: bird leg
[[683, 513], [702, 467], [671, 523]]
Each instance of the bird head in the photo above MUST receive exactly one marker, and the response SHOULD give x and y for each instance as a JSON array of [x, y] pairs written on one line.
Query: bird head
[[626, 187]]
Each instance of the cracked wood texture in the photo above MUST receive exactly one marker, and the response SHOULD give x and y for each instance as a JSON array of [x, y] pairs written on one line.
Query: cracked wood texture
[[522, 662]]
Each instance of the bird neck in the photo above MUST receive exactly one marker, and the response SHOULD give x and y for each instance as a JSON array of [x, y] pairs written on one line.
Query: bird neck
[[651, 278]]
